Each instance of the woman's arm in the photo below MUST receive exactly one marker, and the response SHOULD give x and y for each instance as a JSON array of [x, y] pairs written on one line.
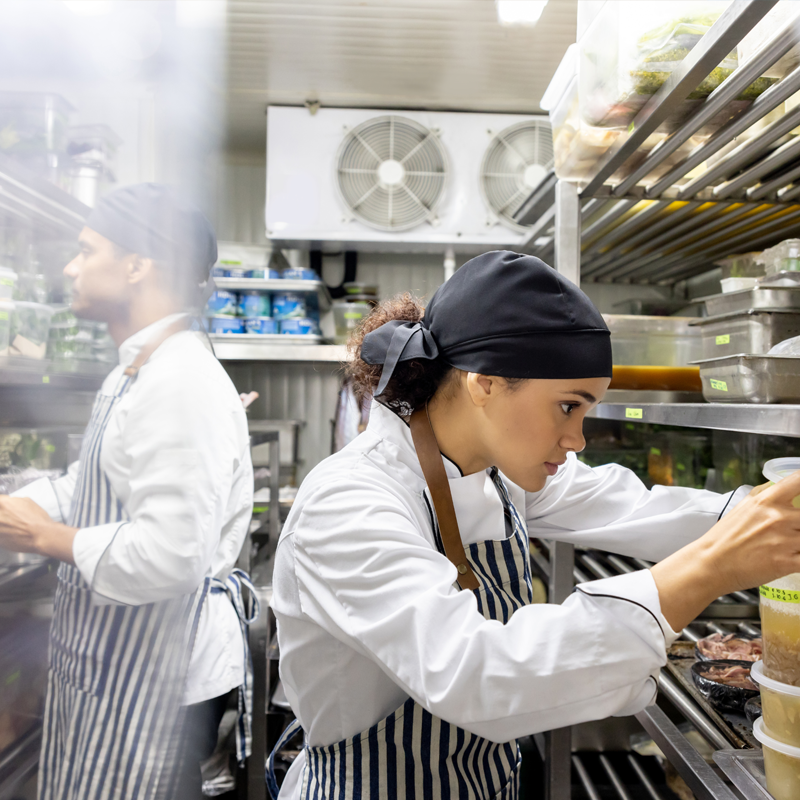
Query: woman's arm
[[757, 542], [609, 508]]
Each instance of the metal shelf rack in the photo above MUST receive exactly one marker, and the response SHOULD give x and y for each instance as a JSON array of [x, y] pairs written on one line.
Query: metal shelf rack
[[662, 230]]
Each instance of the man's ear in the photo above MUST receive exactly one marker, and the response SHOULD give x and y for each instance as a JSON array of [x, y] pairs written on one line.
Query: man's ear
[[138, 268]]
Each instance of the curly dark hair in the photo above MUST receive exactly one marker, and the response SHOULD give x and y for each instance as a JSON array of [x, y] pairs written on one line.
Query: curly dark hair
[[413, 382]]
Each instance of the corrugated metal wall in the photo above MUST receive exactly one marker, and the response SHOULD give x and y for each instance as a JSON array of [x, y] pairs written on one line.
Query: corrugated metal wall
[[304, 391]]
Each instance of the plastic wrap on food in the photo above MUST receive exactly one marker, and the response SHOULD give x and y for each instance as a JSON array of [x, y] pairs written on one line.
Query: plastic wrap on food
[[726, 684]]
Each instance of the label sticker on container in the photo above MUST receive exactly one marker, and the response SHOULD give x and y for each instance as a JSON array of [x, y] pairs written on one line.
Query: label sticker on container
[[654, 451], [725, 338], [6, 282], [633, 413], [720, 386], [781, 595], [3, 314], [353, 315], [632, 127], [45, 379]]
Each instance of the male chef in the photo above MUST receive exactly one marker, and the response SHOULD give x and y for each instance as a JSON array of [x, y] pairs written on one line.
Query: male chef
[[147, 640]]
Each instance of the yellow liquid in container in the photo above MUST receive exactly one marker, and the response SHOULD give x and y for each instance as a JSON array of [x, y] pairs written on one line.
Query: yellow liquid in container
[[783, 774], [780, 629]]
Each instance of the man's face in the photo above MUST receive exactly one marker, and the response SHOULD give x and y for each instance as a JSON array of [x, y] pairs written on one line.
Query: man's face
[[100, 288]]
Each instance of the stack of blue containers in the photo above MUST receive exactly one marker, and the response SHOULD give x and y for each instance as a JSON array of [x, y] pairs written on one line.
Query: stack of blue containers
[[261, 312]]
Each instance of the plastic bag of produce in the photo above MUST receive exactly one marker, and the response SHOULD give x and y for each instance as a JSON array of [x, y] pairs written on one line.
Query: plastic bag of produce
[[632, 49]]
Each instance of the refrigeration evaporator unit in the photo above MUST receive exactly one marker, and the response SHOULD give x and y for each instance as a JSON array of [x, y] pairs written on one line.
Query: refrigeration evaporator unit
[[405, 180]]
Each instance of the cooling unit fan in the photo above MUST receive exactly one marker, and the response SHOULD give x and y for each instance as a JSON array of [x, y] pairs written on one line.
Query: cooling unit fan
[[515, 162], [391, 173]]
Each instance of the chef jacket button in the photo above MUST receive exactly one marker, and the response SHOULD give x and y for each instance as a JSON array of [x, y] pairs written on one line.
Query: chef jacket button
[[462, 569]]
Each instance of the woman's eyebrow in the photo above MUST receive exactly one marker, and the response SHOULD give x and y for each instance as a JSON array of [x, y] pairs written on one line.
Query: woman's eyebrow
[[590, 398]]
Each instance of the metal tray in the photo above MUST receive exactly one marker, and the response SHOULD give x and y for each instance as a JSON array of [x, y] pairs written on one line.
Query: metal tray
[[768, 298], [734, 726], [745, 378], [749, 331]]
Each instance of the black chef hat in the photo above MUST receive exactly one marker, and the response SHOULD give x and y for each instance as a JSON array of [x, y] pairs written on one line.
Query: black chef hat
[[502, 314], [154, 221]]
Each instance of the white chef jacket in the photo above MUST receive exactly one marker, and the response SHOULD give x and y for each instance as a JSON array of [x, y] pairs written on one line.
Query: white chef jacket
[[177, 454], [368, 614]]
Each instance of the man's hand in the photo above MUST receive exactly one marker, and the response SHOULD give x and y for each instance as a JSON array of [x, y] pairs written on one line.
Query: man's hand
[[25, 527]]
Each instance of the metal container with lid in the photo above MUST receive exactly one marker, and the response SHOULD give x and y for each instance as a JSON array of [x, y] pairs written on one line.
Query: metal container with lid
[[764, 296], [744, 378], [752, 331]]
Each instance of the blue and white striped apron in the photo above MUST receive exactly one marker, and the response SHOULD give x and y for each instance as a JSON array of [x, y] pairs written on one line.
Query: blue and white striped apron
[[117, 672], [411, 753]]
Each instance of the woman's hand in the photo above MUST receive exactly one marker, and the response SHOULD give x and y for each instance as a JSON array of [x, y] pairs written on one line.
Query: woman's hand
[[26, 527], [757, 542]]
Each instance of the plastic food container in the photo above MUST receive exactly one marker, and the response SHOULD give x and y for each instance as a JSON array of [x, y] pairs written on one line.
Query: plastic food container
[[347, 317], [297, 274], [289, 305], [301, 327], [753, 331], [6, 312], [30, 325], [254, 303], [223, 303], [260, 325], [783, 257], [34, 123], [225, 324], [8, 279], [777, 469], [653, 341], [263, 273], [780, 706], [737, 284], [781, 764]]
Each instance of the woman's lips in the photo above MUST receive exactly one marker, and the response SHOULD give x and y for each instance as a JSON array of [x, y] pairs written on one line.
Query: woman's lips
[[551, 467]]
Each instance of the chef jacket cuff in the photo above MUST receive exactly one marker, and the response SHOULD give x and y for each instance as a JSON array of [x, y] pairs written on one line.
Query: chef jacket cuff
[[43, 494], [89, 546], [734, 498], [638, 588]]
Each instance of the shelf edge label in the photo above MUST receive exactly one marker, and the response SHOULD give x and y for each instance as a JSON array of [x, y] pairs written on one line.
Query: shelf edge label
[[720, 386], [633, 413], [781, 595], [725, 338]]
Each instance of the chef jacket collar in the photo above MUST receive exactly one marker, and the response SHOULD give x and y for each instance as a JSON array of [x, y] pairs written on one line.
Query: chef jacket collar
[[388, 425], [130, 348]]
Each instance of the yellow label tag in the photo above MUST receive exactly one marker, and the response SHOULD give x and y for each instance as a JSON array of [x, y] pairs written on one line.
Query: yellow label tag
[[720, 386], [6, 282], [353, 315], [632, 127], [633, 413], [654, 451], [3, 314], [781, 595], [45, 379], [724, 339]]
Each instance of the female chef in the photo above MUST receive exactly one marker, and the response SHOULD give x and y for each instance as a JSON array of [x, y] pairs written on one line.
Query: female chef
[[410, 651]]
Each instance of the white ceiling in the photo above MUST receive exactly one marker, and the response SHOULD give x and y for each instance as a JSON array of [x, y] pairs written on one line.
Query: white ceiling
[[438, 54]]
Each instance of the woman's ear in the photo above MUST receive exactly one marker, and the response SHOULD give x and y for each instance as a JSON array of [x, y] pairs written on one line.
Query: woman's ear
[[480, 388]]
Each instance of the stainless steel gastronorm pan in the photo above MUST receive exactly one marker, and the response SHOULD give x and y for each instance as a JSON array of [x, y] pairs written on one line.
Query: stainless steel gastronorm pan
[[744, 378], [786, 298], [749, 331]]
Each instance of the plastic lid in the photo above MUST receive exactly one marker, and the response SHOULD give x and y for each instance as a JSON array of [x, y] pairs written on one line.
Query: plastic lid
[[760, 732], [757, 674], [779, 468]]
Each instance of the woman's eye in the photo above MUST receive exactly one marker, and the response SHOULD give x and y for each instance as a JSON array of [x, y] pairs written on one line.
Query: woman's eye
[[568, 407]]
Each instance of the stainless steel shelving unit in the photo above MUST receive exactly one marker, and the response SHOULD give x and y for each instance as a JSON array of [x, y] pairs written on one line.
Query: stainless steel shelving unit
[[661, 230], [241, 347]]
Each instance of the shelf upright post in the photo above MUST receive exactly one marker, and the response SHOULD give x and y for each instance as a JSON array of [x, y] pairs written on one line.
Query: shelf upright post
[[558, 743]]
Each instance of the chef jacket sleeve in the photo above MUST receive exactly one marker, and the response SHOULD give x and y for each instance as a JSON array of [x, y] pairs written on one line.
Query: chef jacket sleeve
[[54, 496], [179, 438], [367, 575], [609, 508]]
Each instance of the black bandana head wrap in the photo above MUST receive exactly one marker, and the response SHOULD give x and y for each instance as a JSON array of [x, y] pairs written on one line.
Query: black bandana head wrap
[[502, 314], [152, 220]]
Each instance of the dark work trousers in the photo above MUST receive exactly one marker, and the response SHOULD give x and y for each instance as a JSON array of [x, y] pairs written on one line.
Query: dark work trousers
[[198, 741]]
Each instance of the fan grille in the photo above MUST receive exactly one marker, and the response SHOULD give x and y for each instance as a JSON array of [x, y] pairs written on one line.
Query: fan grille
[[391, 173], [515, 162]]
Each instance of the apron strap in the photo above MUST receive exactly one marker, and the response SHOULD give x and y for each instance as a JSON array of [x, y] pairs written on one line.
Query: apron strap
[[153, 345], [430, 459], [269, 772]]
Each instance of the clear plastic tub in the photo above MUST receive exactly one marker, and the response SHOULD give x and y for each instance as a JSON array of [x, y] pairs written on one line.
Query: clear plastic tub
[[737, 284], [347, 317], [33, 123], [776, 469], [30, 326], [6, 313], [653, 341], [781, 764], [783, 257], [8, 280], [780, 703]]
